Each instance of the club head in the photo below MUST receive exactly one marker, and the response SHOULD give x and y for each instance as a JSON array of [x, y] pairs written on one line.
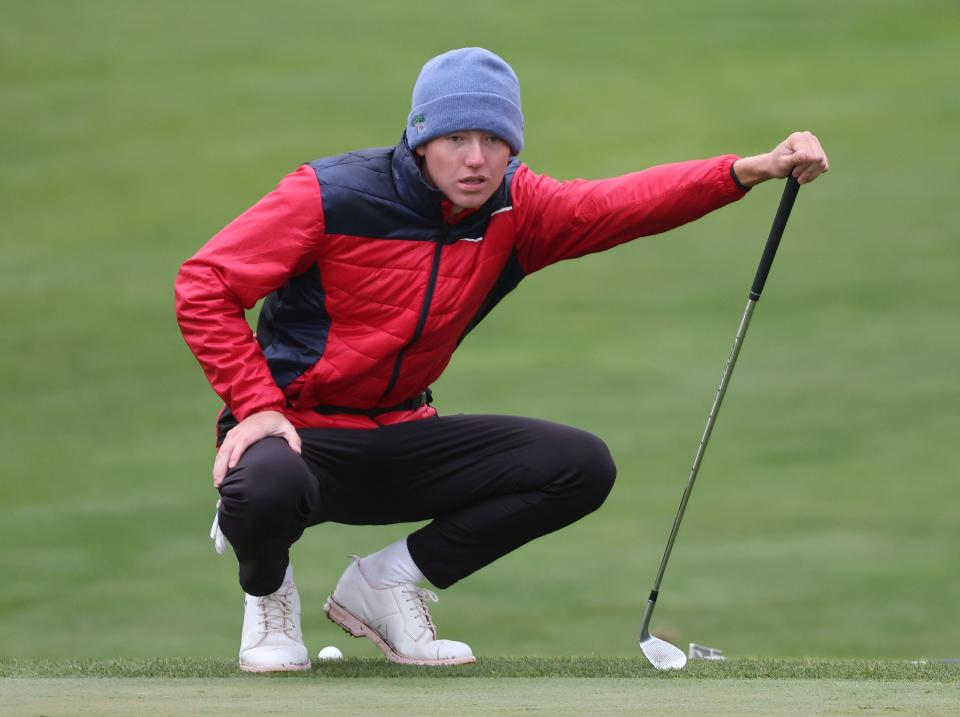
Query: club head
[[661, 653]]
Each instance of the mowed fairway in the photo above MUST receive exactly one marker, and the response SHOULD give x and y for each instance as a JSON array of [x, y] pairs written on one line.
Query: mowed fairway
[[571, 697], [825, 519], [561, 687]]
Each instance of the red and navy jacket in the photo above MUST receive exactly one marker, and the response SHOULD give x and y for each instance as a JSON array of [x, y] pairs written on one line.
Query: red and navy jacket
[[370, 288]]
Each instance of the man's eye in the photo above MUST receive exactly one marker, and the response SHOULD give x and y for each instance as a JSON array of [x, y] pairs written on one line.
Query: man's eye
[[455, 137]]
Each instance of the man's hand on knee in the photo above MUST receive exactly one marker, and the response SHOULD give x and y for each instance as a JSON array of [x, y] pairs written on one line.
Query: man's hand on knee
[[253, 428]]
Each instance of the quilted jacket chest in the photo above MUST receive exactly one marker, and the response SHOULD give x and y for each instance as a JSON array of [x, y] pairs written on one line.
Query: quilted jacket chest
[[392, 285]]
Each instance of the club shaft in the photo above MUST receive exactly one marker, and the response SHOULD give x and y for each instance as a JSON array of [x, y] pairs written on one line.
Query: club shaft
[[705, 438], [790, 191]]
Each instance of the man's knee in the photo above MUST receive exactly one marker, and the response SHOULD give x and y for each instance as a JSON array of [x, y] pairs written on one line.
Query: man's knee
[[270, 487], [598, 469], [585, 465]]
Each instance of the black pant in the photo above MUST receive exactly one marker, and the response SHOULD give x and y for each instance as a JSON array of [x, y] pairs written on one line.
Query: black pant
[[489, 484]]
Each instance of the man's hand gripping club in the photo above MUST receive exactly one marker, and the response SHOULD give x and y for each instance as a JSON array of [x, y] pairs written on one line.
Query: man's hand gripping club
[[800, 154]]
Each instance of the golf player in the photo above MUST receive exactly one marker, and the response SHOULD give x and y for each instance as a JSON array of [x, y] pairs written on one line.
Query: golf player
[[373, 266]]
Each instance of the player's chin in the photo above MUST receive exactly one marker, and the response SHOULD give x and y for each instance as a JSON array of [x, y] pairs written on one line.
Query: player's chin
[[471, 200]]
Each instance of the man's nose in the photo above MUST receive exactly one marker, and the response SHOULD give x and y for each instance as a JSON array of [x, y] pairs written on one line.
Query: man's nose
[[474, 156]]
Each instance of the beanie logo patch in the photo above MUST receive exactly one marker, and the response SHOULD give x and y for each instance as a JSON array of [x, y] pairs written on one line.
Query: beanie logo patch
[[420, 124]]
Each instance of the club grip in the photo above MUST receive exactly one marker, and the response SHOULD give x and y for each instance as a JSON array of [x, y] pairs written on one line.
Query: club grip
[[776, 233]]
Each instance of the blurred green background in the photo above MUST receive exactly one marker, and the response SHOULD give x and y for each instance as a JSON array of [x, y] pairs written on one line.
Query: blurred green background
[[825, 520]]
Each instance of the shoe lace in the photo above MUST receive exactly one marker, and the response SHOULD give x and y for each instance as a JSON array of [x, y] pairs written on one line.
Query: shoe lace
[[418, 606], [276, 611]]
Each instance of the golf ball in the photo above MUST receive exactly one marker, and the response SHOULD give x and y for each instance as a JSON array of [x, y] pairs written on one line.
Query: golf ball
[[330, 653]]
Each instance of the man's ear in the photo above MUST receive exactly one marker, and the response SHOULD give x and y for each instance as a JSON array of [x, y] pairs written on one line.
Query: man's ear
[[420, 151]]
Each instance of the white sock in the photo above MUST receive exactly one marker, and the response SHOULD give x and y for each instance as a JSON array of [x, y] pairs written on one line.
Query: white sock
[[390, 567]]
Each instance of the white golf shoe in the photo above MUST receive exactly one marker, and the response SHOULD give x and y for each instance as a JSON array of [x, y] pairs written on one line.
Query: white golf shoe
[[395, 618], [272, 640]]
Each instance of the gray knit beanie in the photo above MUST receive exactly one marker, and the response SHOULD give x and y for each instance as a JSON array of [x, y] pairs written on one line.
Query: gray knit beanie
[[466, 89]]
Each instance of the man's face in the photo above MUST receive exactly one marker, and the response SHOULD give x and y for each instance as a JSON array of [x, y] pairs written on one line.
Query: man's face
[[467, 167]]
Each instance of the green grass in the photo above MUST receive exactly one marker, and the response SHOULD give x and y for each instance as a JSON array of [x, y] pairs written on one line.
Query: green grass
[[554, 697], [493, 686], [825, 518], [501, 668]]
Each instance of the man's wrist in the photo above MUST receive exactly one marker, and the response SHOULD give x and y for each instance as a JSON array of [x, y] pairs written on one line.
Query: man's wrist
[[736, 180], [245, 413], [750, 171]]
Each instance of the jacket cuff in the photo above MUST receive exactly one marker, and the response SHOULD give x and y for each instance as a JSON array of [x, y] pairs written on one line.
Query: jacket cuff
[[732, 183], [244, 411]]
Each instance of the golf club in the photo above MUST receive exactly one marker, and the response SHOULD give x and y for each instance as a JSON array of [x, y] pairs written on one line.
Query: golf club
[[662, 654]]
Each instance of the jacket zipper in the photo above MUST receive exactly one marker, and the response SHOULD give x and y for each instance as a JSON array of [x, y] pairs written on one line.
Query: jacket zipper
[[427, 299]]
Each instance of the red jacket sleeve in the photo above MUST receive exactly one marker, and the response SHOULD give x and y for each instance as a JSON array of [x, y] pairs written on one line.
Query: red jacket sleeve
[[563, 220], [255, 254]]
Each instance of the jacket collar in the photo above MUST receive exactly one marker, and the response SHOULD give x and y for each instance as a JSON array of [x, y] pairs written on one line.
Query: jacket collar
[[427, 201]]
